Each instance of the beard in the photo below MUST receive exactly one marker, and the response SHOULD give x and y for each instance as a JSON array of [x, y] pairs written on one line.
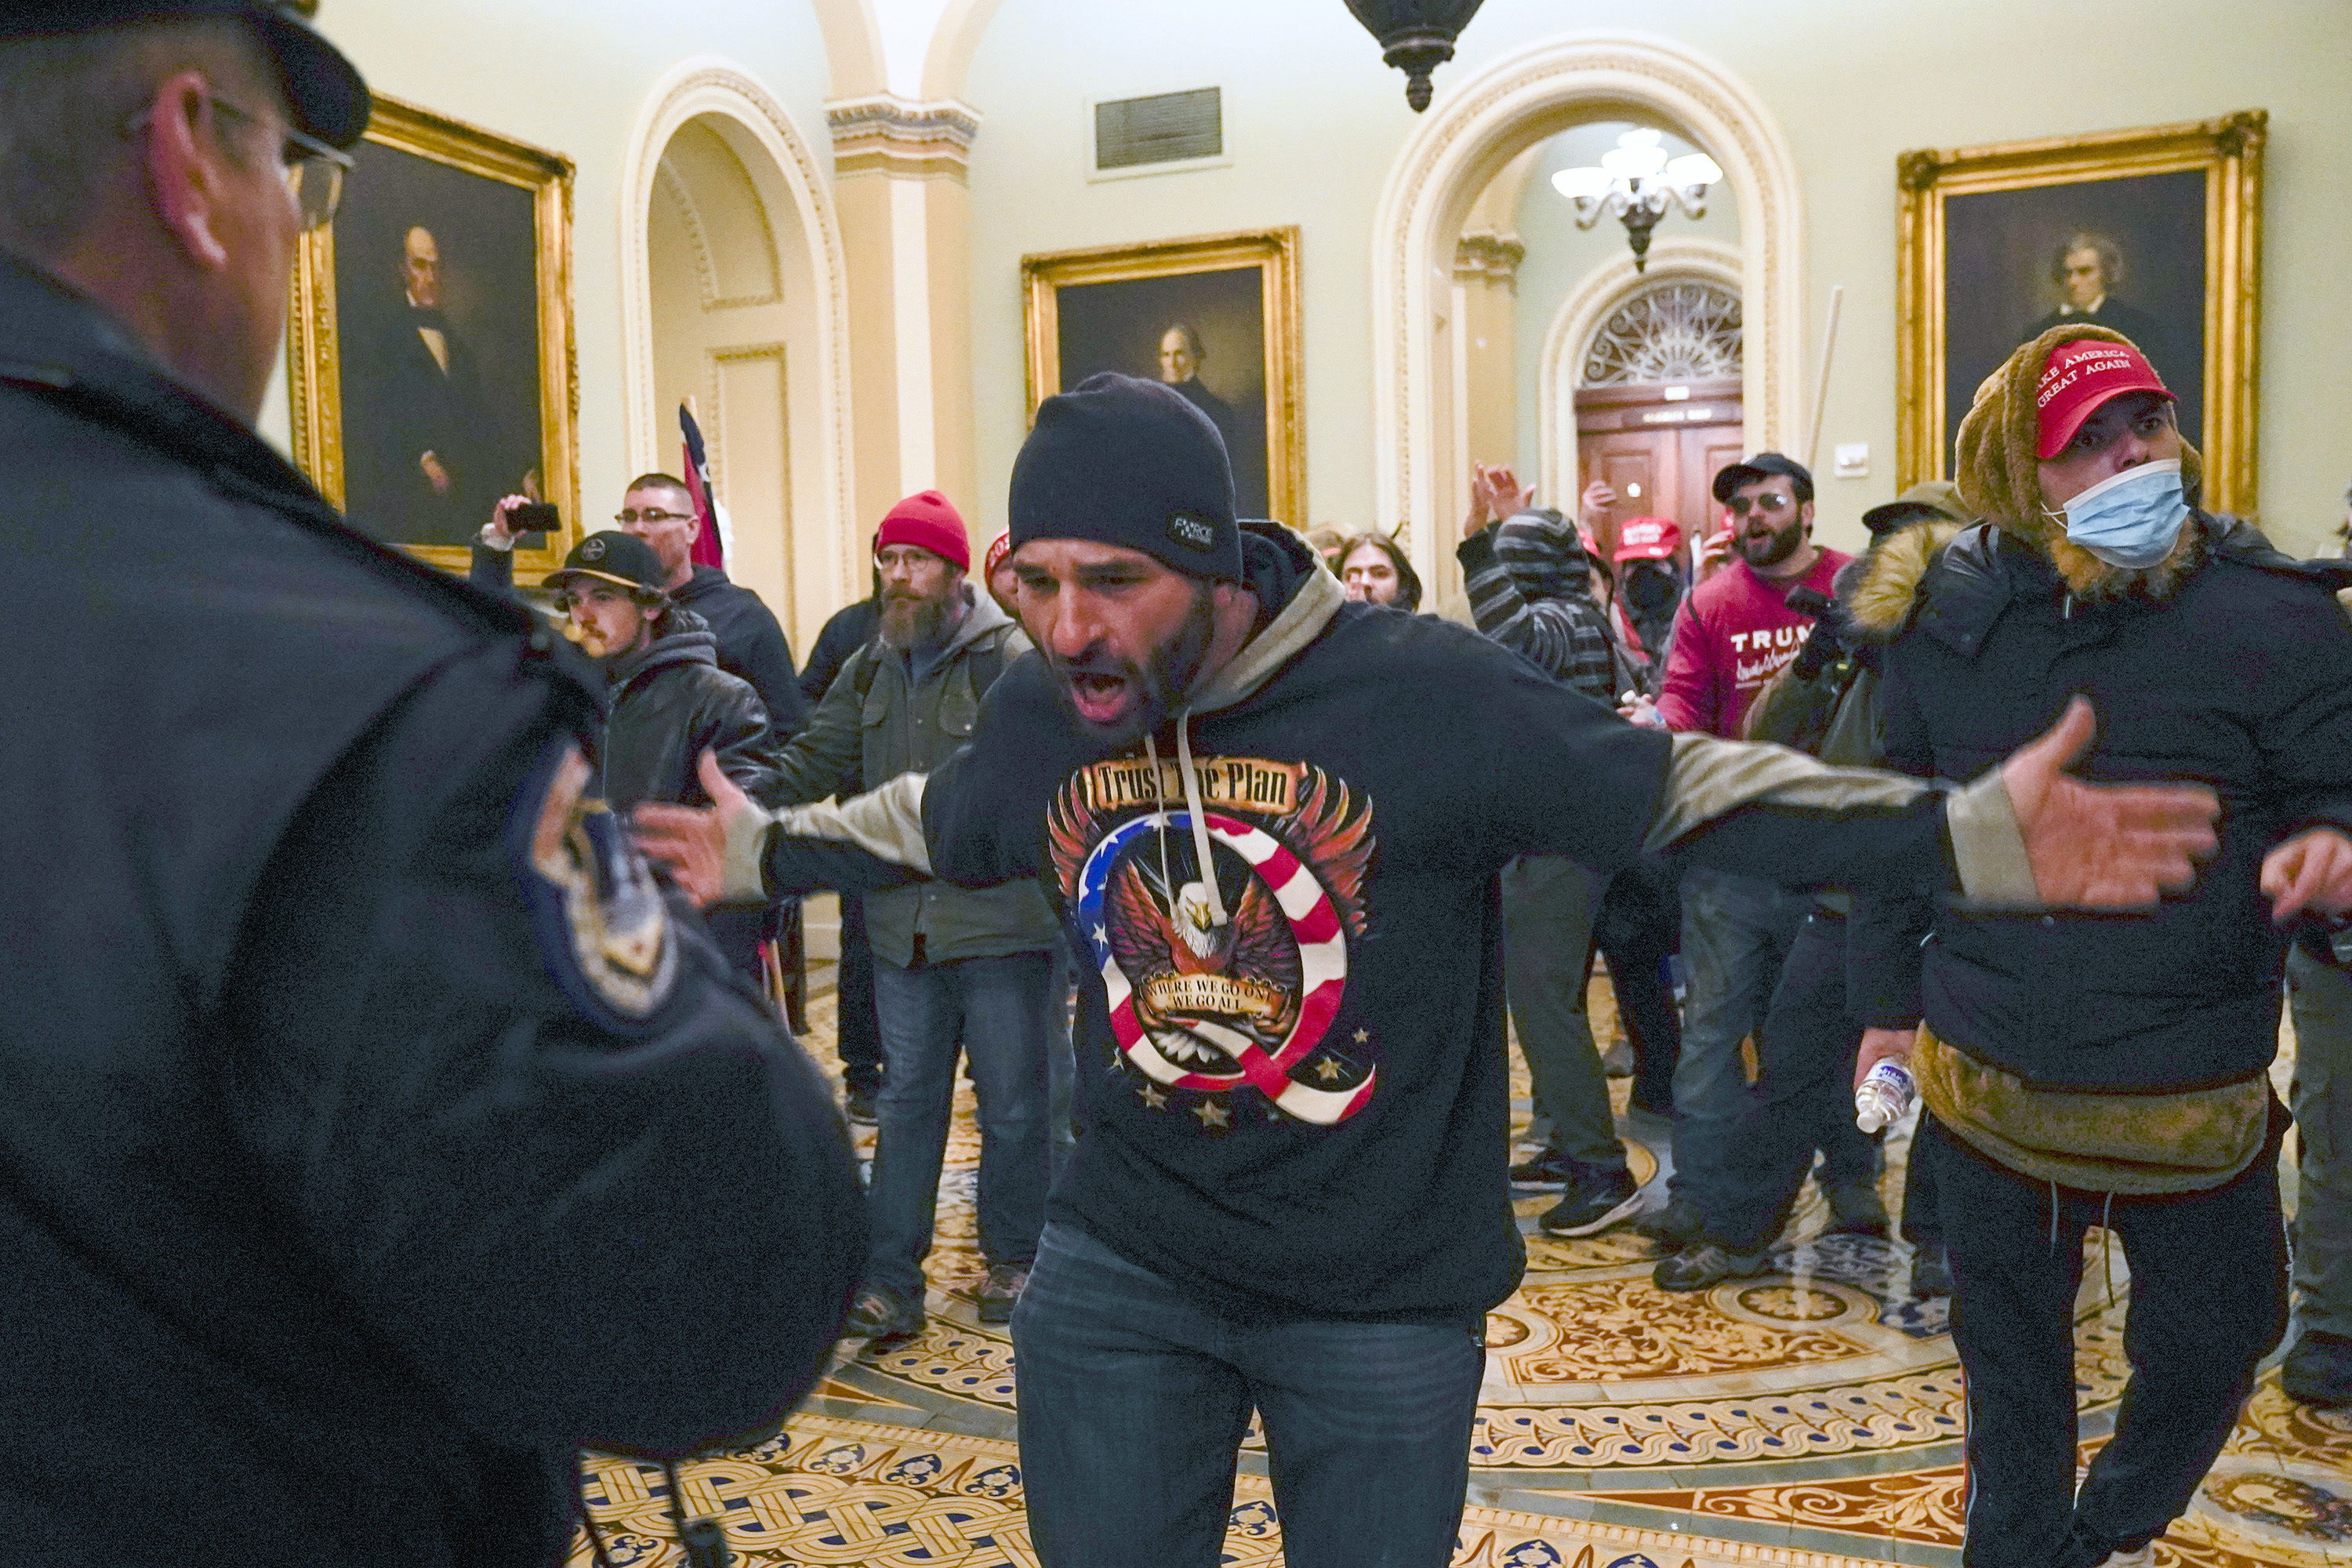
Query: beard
[[1771, 547], [1151, 689], [910, 621]]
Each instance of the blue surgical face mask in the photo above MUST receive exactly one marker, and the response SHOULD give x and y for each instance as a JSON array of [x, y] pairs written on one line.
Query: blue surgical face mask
[[2133, 520]]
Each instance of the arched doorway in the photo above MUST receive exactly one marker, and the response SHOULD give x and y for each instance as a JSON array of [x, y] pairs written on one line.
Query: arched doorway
[[732, 278], [1466, 140], [1642, 383]]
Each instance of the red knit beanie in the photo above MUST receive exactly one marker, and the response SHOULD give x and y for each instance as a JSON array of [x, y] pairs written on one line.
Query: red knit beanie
[[927, 521]]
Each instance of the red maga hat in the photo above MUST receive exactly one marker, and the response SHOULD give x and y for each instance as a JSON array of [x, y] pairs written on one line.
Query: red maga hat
[[1648, 539], [2078, 379]]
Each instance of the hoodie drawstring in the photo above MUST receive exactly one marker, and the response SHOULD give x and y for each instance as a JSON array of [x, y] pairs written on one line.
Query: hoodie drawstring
[[1190, 777]]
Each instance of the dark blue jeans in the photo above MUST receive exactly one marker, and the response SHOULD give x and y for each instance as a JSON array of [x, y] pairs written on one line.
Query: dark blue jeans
[[996, 1009], [1802, 1101], [1737, 933], [1135, 1398]]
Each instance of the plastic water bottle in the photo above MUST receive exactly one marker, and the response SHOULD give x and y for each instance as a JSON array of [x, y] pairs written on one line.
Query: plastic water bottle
[[1885, 1093]]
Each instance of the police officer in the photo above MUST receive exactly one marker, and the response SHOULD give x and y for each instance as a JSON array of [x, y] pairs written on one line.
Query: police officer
[[378, 1131]]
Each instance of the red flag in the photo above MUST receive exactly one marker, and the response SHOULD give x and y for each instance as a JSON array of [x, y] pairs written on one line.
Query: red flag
[[709, 550]]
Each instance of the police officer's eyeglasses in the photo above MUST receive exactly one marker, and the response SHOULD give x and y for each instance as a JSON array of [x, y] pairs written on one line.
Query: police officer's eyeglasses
[[1769, 501], [314, 170], [627, 516]]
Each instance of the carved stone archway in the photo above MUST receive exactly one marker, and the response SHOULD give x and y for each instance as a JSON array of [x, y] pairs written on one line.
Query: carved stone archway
[[827, 572], [1468, 136]]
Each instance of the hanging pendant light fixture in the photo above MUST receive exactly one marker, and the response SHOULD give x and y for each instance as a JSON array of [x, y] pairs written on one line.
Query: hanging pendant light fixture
[[1636, 181], [1418, 35]]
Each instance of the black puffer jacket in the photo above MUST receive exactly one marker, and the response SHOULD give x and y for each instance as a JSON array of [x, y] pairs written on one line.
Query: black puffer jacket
[[668, 703], [2241, 678]]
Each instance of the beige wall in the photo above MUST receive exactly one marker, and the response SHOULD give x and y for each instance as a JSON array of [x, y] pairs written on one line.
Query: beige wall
[[1313, 121]]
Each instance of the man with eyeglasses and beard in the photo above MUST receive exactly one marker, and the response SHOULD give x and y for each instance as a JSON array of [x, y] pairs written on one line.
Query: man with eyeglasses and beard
[[1735, 632], [952, 966]]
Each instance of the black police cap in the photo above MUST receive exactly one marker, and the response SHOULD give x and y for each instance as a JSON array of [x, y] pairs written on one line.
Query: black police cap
[[329, 100]]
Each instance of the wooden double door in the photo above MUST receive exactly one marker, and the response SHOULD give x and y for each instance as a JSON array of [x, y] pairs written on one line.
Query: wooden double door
[[1660, 448]]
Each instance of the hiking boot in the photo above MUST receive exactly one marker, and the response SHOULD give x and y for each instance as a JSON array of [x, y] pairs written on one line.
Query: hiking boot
[[880, 1316], [858, 1106], [1856, 1210], [1549, 1169], [2319, 1370], [1001, 1291], [1931, 1269], [1595, 1200], [1703, 1263], [1671, 1229]]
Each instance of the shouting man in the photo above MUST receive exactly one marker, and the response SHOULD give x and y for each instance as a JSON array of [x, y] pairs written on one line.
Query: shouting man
[[1275, 821]]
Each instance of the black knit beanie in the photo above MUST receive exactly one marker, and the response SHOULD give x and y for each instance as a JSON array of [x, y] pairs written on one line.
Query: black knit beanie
[[1132, 463]]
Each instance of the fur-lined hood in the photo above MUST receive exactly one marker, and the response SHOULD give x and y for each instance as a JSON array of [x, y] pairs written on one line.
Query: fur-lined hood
[[1998, 479], [1879, 603]]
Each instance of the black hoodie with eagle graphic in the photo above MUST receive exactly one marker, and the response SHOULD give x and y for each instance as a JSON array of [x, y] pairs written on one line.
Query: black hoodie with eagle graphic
[[1285, 903]]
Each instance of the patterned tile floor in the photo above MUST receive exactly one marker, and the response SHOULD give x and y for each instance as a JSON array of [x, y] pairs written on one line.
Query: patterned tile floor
[[1810, 1417]]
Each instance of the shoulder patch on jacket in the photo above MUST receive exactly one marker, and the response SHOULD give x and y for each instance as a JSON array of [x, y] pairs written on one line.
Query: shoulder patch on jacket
[[602, 926]]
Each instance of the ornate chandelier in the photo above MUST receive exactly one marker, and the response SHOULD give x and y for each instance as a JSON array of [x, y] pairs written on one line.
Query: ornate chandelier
[[1418, 35], [1635, 183]]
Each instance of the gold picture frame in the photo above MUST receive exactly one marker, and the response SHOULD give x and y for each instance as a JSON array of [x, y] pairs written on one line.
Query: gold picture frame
[[1115, 307], [1970, 220], [494, 377]]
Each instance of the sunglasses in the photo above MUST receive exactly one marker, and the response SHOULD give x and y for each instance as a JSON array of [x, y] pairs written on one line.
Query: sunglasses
[[1770, 500]]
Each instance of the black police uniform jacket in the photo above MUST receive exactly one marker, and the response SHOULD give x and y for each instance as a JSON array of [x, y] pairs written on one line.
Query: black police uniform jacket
[[346, 1184]]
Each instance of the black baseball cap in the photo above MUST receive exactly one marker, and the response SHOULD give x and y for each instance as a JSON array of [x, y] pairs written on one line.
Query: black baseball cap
[[330, 101], [612, 556], [1764, 466]]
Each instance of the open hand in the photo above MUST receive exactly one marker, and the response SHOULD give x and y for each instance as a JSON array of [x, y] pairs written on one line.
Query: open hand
[[1593, 506], [2117, 846], [691, 844], [2313, 871]]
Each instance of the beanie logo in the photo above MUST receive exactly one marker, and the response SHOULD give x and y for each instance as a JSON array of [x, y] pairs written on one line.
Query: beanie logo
[[1198, 532]]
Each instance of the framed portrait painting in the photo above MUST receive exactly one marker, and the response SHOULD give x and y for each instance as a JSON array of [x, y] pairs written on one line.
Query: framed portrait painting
[[430, 355], [1216, 318], [2154, 233]]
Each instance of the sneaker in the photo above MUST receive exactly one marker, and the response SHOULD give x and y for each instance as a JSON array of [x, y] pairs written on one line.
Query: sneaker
[[1663, 1109], [1856, 1210], [858, 1106], [1595, 1200], [1703, 1263], [880, 1316], [1001, 1289], [1617, 1061], [1671, 1229], [2318, 1370], [1931, 1271], [1549, 1169]]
